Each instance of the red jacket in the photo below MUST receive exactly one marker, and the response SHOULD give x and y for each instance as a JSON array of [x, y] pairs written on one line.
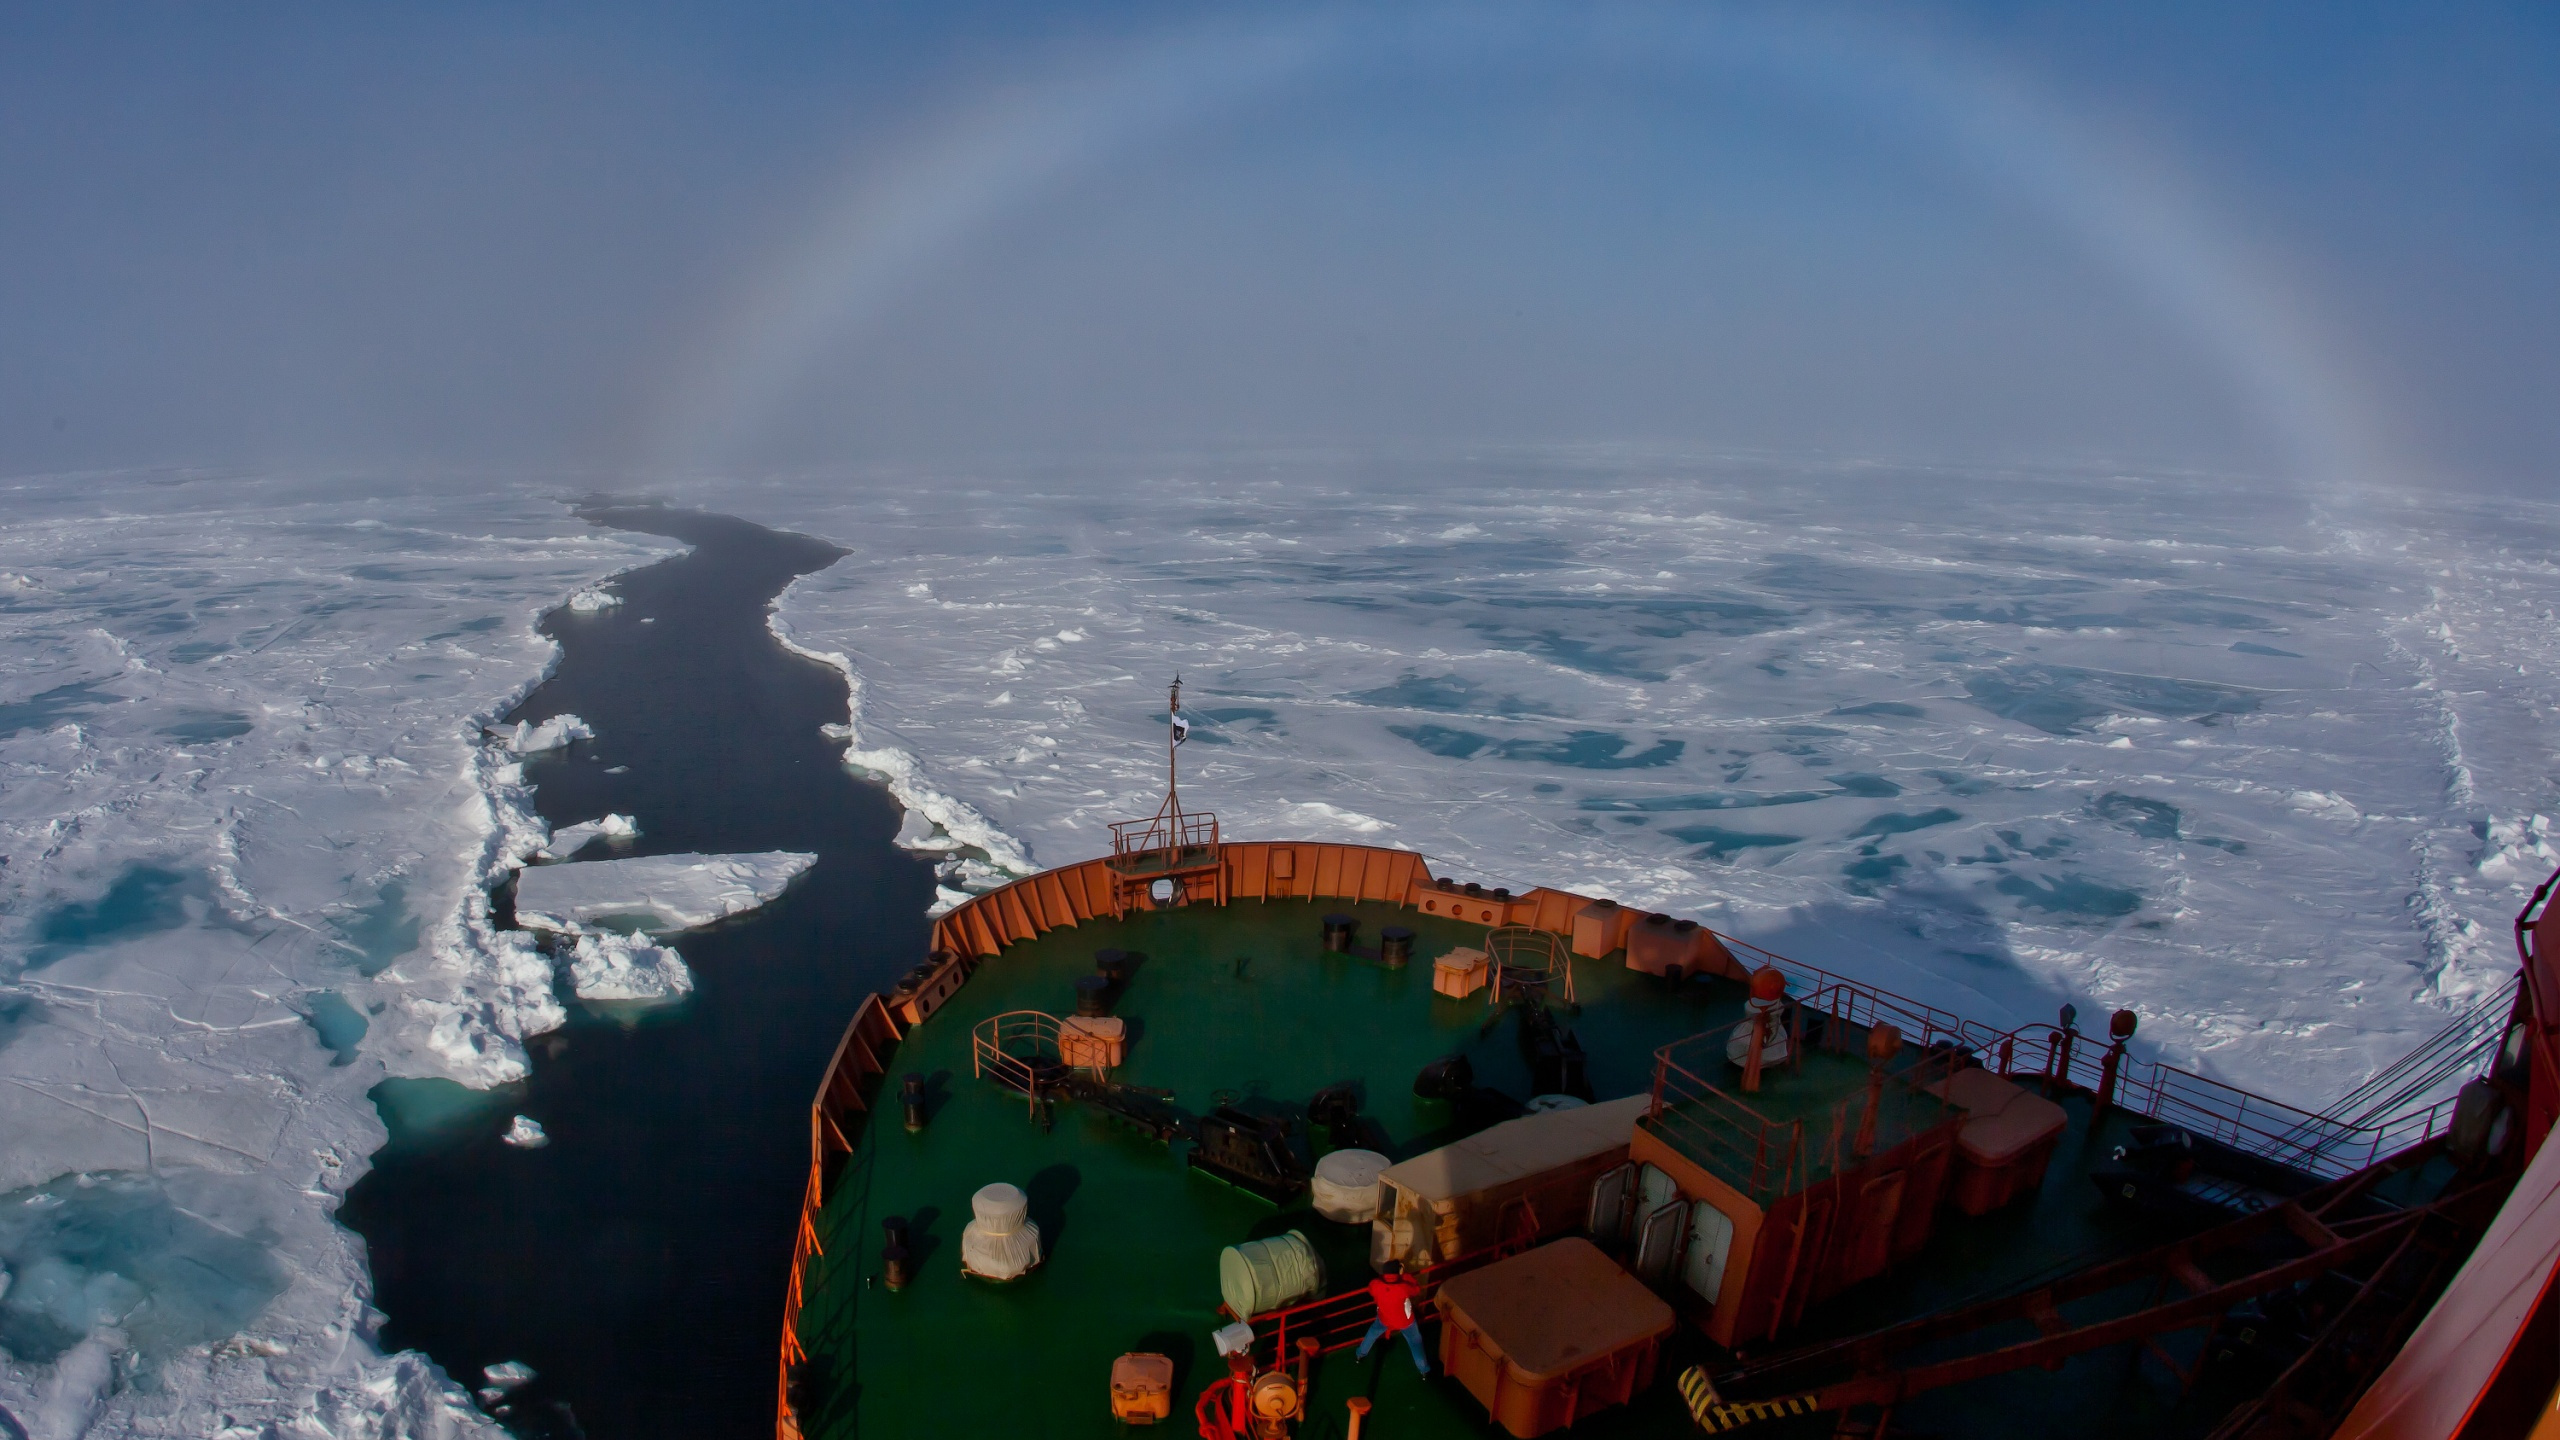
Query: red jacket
[[1396, 1296]]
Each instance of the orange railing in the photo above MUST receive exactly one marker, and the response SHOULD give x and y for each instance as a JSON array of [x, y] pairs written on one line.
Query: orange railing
[[1168, 840], [2322, 1145], [1763, 1157]]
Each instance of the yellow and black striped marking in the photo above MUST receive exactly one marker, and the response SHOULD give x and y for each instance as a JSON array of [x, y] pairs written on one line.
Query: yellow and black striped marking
[[1716, 1415]]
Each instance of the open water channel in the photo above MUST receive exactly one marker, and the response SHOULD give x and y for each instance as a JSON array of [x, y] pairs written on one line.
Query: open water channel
[[637, 1262]]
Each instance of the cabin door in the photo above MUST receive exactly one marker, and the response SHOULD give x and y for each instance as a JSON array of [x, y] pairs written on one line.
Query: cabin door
[[1609, 1204], [1658, 1238]]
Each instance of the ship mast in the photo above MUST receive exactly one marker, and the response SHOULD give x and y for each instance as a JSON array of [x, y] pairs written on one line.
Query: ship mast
[[1174, 729]]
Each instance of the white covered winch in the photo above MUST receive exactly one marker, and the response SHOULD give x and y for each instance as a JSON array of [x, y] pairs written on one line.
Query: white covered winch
[[1345, 1187], [1001, 1243]]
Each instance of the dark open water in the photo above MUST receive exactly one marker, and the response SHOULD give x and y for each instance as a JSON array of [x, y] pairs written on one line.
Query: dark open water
[[637, 1262]]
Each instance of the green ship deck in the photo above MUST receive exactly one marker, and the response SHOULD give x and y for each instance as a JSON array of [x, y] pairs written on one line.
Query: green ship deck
[[1241, 1001]]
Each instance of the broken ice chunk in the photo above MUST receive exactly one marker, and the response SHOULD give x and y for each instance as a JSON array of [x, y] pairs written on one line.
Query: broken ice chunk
[[526, 1134], [506, 1375], [618, 967], [568, 840], [594, 597], [654, 894], [918, 832], [528, 738]]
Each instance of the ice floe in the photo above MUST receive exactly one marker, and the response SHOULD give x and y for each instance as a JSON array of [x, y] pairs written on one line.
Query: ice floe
[[568, 840], [592, 599], [619, 967], [654, 894], [525, 1133], [527, 737]]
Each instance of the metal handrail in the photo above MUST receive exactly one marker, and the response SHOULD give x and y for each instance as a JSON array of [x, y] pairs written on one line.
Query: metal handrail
[[1537, 956], [994, 1042], [1168, 833], [1764, 1157], [2323, 1145]]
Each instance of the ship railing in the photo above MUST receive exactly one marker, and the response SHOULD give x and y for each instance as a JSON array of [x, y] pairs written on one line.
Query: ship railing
[[2068, 1059], [1528, 961], [1167, 840], [1003, 1047], [1764, 1157], [835, 1114], [1750, 1151]]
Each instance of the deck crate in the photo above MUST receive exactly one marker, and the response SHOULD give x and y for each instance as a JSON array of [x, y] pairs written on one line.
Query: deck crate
[[1550, 1337]]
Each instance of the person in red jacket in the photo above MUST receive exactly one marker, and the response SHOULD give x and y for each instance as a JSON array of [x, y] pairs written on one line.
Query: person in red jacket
[[1399, 1302]]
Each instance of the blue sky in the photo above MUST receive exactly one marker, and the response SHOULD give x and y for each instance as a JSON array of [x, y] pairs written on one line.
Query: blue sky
[[2315, 241]]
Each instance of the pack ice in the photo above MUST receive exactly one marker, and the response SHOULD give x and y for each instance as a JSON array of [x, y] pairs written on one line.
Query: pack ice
[[2265, 764], [249, 818]]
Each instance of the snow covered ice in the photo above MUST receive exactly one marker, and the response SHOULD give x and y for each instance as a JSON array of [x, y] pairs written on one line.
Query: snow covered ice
[[658, 894], [619, 967], [525, 1133]]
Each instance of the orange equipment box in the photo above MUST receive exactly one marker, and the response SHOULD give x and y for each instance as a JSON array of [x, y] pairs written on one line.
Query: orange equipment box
[[1093, 1042], [1596, 927], [1141, 1388], [1551, 1336], [1461, 972], [2006, 1142]]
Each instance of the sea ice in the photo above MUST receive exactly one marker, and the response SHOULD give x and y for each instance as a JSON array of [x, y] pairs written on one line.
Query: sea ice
[[526, 737], [618, 967], [655, 894], [242, 768], [2333, 709], [525, 1133], [594, 598], [568, 840]]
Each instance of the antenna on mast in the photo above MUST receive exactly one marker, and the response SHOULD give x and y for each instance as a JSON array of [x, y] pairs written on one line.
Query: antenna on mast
[[1178, 730]]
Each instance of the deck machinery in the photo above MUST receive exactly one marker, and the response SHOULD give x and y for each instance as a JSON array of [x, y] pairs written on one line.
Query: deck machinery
[[1853, 1212]]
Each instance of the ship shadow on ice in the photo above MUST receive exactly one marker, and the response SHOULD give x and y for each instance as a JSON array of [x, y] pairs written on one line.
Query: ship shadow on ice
[[1921, 939]]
